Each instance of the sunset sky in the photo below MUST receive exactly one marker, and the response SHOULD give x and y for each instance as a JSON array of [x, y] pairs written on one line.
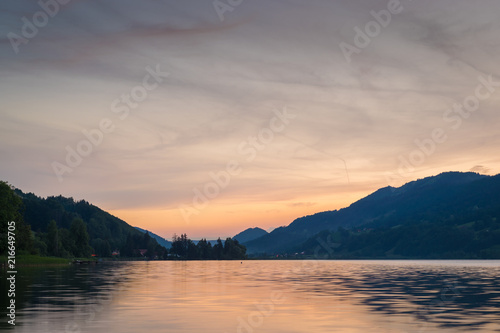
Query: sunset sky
[[209, 117]]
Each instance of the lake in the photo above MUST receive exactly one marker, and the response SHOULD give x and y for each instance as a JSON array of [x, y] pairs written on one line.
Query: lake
[[259, 296]]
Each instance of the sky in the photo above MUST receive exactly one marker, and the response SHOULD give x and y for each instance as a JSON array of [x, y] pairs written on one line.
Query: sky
[[210, 117]]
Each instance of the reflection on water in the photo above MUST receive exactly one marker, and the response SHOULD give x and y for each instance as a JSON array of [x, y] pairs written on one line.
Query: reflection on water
[[260, 296]]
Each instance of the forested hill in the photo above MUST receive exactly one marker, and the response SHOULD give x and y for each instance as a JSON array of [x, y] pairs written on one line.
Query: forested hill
[[162, 241], [62, 227], [106, 233], [462, 208]]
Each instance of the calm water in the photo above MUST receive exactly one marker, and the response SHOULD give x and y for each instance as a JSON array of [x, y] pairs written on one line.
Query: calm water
[[260, 296]]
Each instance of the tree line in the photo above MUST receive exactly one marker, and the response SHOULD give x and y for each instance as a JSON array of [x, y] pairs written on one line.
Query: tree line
[[185, 248], [62, 242], [61, 227]]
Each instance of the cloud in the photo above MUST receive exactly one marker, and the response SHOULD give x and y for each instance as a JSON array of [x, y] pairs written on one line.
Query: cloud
[[353, 120], [480, 169], [301, 204]]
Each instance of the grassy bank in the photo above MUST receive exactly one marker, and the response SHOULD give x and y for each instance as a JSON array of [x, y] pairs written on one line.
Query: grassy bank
[[33, 260]]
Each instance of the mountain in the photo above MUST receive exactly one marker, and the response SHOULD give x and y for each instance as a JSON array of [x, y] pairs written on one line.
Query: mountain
[[162, 241], [106, 233], [434, 199], [250, 234]]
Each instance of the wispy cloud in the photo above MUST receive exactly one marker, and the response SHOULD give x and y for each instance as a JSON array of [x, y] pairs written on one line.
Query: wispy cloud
[[226, 78]]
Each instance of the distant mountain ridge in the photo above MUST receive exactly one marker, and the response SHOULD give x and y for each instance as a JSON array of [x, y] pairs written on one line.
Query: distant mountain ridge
[[250, 234], [160, 240], [430, 199]]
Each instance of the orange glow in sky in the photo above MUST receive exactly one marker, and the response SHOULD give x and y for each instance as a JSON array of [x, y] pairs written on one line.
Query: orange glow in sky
[[139, 111]]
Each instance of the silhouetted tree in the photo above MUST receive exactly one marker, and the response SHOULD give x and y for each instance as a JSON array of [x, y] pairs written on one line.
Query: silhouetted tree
[[218, 250], [205, 249], [80, 238], [53, 239], [184, 248]]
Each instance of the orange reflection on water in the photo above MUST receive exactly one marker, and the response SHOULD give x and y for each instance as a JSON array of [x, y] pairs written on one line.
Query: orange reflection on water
[[269, 296]]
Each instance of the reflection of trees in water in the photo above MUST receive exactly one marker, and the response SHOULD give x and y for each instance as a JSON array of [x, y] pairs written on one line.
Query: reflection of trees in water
[[82, 289], [461, 298]]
